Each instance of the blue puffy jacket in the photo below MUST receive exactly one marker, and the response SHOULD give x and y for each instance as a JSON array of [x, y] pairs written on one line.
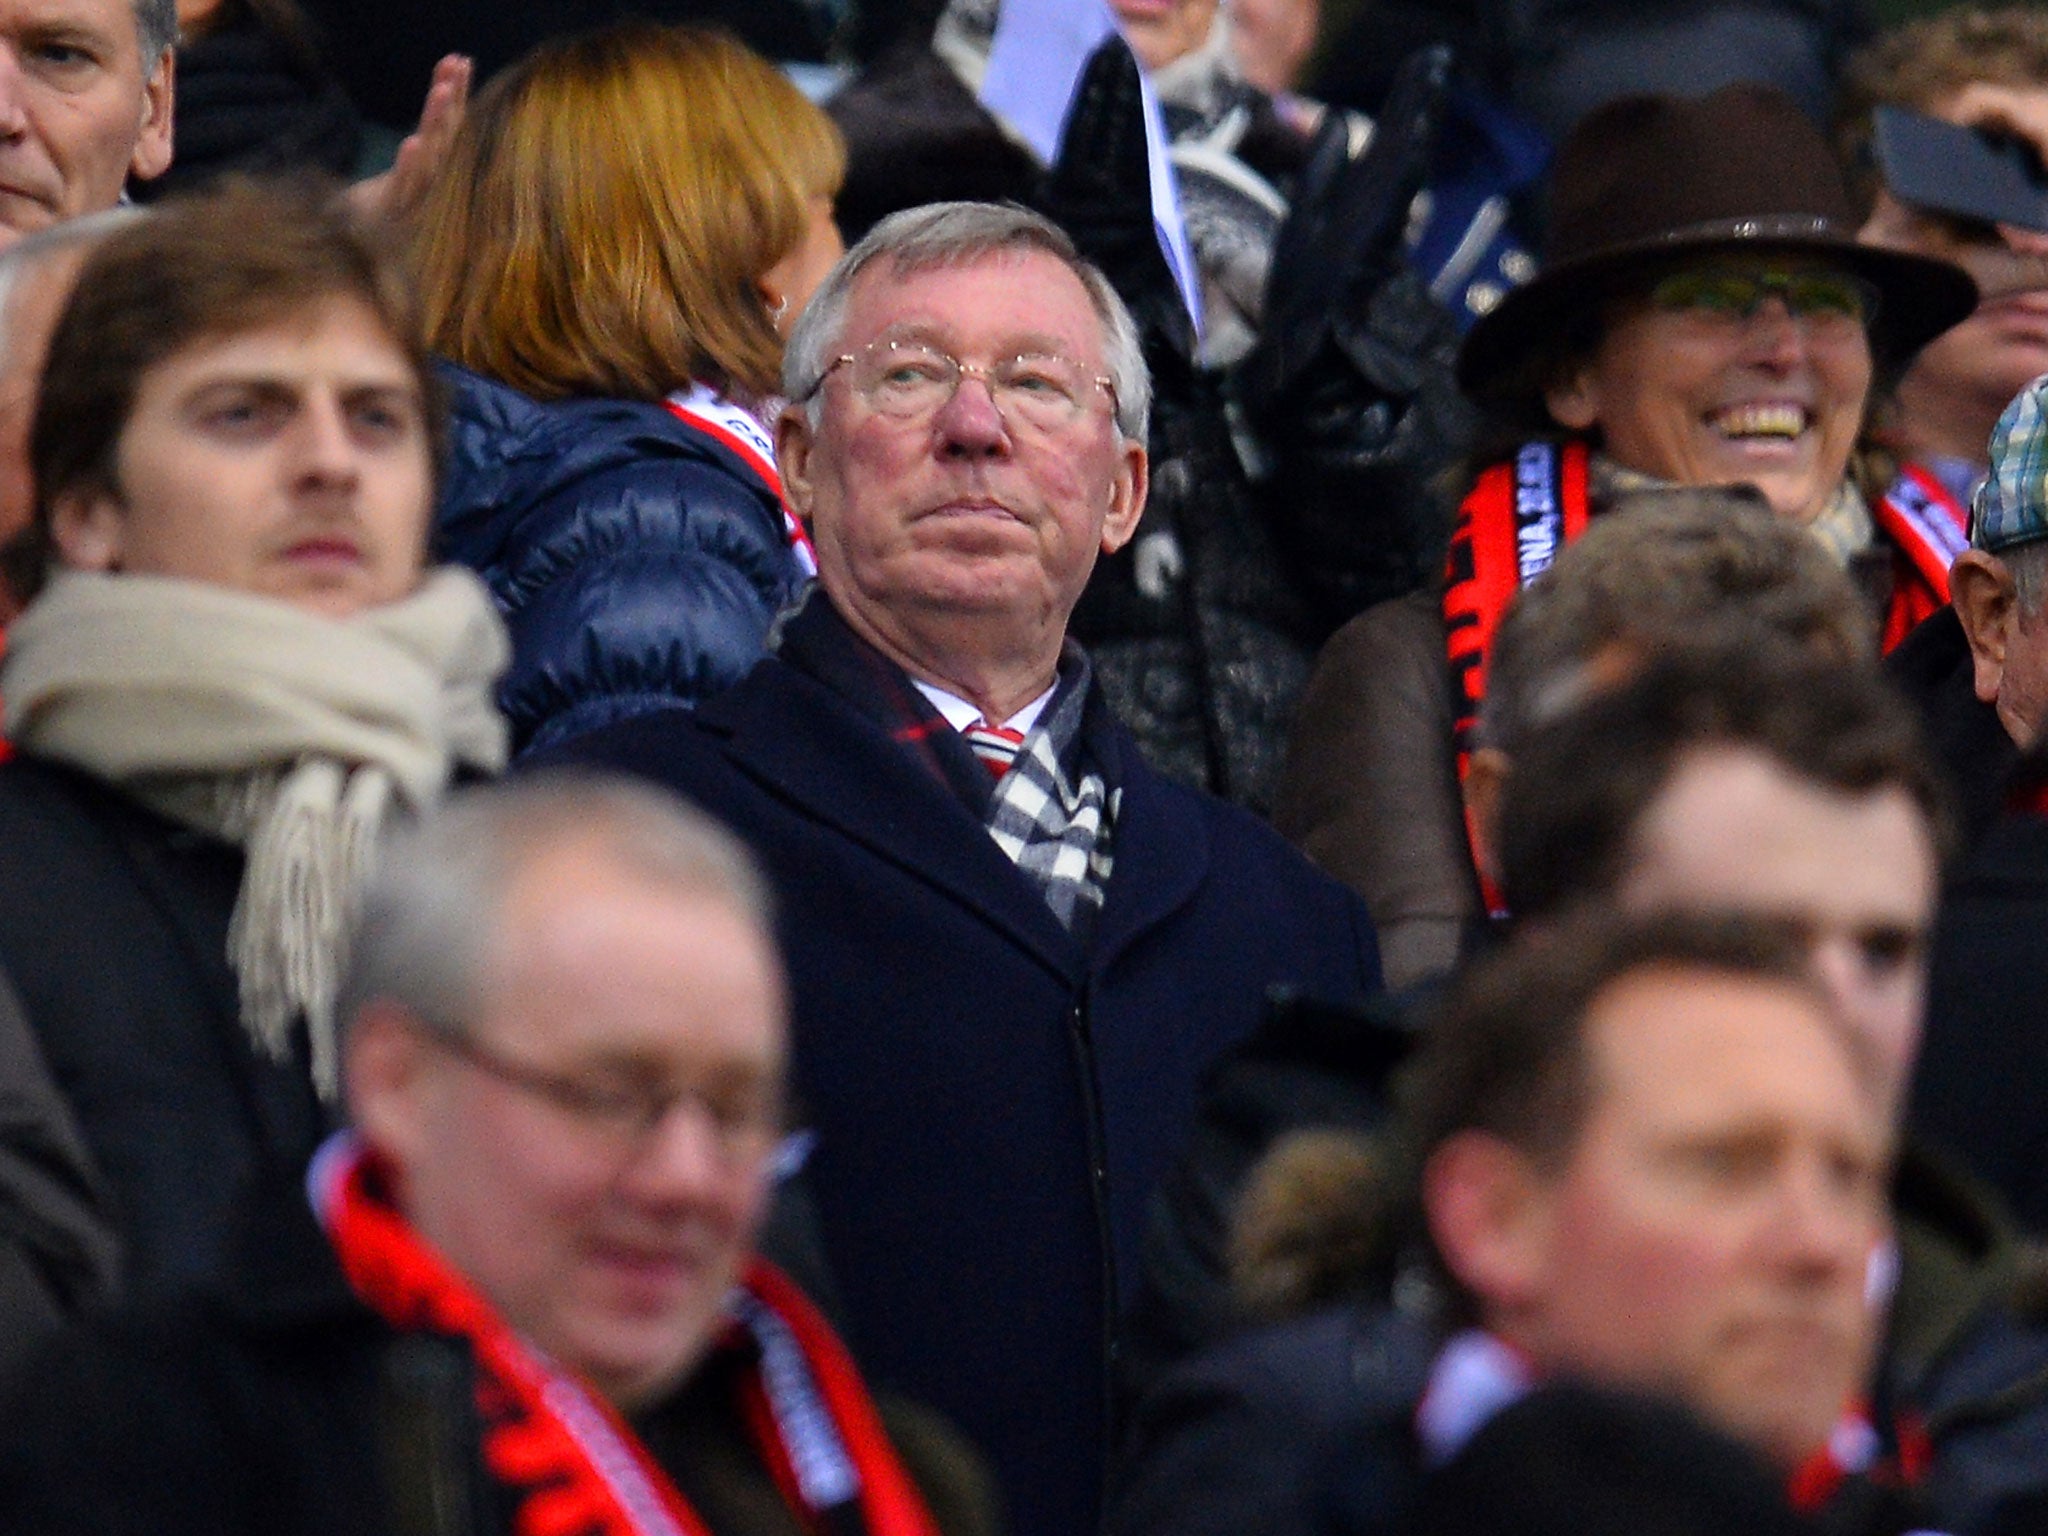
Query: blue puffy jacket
[[637, 561]]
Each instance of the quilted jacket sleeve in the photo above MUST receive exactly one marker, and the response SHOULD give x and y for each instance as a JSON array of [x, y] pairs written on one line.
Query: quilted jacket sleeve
[[637, 562]]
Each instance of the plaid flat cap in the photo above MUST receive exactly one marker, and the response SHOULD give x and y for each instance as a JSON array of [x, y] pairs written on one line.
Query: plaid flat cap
[[2011, 506]]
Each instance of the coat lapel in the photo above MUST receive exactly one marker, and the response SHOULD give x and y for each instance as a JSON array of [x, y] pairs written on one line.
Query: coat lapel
[[1162, 855], [799, 740]]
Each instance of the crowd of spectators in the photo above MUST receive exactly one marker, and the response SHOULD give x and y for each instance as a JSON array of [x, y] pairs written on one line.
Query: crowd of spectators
[[1379, 872]]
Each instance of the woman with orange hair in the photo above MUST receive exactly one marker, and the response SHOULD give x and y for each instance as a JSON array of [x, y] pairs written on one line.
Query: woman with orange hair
[[625, 229]]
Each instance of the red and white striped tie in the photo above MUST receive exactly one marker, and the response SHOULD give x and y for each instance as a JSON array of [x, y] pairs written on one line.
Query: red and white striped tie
[[995, 745]]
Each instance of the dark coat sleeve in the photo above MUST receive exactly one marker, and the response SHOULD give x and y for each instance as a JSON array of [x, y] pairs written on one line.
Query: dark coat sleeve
[[113, 934], [1310, 1066], [1983, 1067], [1370, 790], [1242, 1441], [115, 1432], [58, 1251], [164, 1422]]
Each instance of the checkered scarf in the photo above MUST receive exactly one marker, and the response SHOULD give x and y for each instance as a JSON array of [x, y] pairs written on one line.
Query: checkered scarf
[[1055, 825], [1051, 814]]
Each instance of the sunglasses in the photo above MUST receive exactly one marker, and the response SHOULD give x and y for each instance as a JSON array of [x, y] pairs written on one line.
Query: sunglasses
[[1737, 293]]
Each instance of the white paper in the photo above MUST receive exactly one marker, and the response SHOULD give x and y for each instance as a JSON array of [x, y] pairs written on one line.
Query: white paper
[[1034, 65]]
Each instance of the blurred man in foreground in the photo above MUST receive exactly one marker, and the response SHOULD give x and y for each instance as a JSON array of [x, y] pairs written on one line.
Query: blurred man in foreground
[[530, 1299]]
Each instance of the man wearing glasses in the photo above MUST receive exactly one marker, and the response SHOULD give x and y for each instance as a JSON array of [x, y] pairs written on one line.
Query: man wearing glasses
[[1013, 948], [523, 1295]]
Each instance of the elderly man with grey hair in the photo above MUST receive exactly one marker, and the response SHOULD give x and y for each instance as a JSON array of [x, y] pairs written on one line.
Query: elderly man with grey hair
[[1013, 948], [1978, 670], [2003, 576], [85, 103], [523, 1294]]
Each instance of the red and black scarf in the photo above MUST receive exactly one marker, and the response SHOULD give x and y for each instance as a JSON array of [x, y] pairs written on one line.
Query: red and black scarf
[[571, 1464], [1508, 533], [1520, 514]]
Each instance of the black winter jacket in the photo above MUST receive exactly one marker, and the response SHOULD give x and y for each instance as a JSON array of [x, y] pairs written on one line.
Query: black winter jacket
[[637, 561], [58, 1251], [114, 933], [272, 1401]]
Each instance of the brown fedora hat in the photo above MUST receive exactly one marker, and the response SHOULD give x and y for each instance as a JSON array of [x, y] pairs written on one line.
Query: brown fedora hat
[[1644, 179]]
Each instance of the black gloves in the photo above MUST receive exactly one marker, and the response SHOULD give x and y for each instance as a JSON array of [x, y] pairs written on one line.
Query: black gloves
[[1350, 389], [1100, 192]]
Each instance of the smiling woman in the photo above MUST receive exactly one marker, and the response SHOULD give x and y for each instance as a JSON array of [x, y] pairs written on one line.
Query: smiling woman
[[1727, 371], [1705, 317], [627, 227], [234, 674]]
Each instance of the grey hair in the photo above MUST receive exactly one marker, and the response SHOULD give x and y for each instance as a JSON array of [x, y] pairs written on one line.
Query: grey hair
[[22, 257], [429, 924], [2028, 566], [952, 235], [156, 29]]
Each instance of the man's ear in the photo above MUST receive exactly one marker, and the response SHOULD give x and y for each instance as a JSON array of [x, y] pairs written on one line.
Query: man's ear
[[152, 155], [383, 1057], [89, 529], [1486, 779], [1489, 1213], [793, 443], [1127, 494], [1981, 588]]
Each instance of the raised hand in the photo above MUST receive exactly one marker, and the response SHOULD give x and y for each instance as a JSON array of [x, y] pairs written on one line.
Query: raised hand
[[395, 196], [1349, 388]]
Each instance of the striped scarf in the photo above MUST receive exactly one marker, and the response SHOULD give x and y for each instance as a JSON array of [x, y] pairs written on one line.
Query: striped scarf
[[1055, 825], [1052, 814]]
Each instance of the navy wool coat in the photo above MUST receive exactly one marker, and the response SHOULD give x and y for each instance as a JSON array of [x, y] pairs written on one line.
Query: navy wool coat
[[994, 1106]]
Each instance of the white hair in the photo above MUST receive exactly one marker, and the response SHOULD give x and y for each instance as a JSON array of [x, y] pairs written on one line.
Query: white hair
[[2028, 566], [156, 30], [951, 235]]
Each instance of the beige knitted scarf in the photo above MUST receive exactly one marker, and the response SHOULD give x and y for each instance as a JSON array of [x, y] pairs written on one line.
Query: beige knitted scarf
[[275, 729]]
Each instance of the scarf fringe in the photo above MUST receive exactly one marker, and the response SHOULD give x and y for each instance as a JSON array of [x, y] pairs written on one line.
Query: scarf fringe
[[295, 737], [312, 836]]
